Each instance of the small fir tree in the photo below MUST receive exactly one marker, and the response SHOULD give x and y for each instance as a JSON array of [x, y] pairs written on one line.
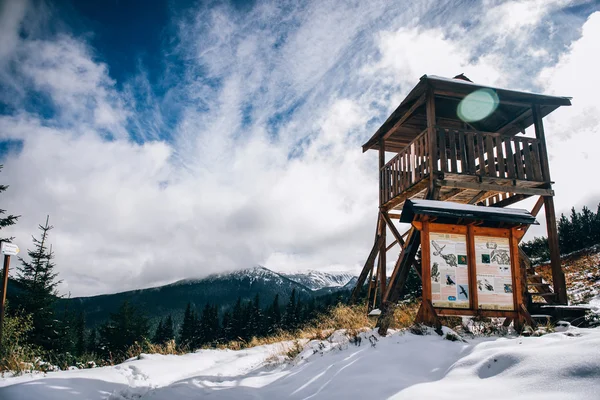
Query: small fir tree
[[39, 281]]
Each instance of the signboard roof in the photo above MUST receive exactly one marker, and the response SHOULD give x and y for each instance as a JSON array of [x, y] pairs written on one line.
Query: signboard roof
[[451, 213]]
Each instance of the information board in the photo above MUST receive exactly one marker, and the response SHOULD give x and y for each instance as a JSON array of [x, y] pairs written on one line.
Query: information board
[[494, 277], [449, 271]]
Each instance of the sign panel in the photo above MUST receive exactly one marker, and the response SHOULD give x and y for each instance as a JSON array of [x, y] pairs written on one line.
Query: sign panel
[[449, 272], [9, 249], [494, 276]]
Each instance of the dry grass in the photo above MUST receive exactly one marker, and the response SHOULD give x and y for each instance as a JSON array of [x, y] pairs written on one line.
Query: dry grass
[[582, 275]]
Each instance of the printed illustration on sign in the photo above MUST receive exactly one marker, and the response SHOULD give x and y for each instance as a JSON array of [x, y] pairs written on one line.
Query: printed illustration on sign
[[449, 272], [494, 278]]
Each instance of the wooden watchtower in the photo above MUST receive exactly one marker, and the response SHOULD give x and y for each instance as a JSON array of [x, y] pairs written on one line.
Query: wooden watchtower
[[457, 141]]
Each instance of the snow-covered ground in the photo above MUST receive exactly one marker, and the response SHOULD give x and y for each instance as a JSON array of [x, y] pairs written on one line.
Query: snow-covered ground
[[564, 365]]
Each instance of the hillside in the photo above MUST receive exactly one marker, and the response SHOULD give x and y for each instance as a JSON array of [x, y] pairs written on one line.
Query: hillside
[[562, 365], [221, 289], [582, 273]]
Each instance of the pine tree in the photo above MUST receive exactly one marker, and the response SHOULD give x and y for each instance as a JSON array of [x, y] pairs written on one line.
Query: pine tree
[[159, 333], [226, 328], [188, 327], [237, 320], [80, 343], [273, 317], [92, 342], [6, 220], [168, 329], [39, 282], [290, 320], [124, 328]]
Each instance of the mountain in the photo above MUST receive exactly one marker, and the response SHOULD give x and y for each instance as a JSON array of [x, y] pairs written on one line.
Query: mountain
[[316, 280], [221, 289]]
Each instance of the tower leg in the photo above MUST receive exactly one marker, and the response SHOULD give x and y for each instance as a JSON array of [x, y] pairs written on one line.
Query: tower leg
[[558, 277]]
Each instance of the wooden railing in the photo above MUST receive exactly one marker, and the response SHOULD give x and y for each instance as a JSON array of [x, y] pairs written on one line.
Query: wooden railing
[[489, 155], [464, 152], [408, 167]]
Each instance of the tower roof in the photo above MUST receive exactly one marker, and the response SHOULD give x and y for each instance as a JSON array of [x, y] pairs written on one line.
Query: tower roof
[[512, 115]]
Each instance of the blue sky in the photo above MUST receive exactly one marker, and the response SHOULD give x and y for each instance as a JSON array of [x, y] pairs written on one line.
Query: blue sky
[[173, 139]]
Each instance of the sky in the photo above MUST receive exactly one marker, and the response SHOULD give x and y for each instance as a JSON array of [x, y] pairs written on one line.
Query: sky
[[175, 139]]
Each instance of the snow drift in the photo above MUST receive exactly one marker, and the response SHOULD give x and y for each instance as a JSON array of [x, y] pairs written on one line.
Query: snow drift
[[563, 365]]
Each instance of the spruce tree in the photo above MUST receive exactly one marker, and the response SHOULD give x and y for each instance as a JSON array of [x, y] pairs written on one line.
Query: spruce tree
[[92, 342], [226, 328], [168, 329], [124, 328], [80, 343], [237, 320], [39, 282], [290, 316], [159, 333], [188, 327], [273, 316]]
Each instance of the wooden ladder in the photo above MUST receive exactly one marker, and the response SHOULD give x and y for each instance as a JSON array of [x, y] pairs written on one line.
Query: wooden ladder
[[537, 287]]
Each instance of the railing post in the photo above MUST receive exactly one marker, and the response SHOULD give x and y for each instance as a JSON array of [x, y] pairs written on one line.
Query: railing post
[[431, 134]]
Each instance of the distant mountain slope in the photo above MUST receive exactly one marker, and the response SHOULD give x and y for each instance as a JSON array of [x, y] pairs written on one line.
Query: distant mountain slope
[[316, 280], [221, 289]]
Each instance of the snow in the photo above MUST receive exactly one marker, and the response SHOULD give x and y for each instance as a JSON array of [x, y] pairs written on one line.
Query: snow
[[562, 365], [316, 280]]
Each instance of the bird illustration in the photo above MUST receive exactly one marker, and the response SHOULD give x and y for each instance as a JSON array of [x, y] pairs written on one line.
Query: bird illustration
[[489, 286], [435, 273], [449, 281], [463, 291], [450, 259]]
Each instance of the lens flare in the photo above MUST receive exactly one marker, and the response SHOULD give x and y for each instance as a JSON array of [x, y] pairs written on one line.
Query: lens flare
[[477, 105]]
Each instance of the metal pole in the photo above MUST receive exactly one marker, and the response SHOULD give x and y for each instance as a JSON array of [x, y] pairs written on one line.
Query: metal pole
[[4, 288]]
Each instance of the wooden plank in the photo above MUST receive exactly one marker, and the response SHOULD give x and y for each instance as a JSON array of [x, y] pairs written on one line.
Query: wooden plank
[[453, 160], [425, 262], [472, 268], [493, 187], [467, 312], [393, 229], [540, 134], [491, 163], [406, 116], [558, 277], [471, 153], [462, 153], [369, 265], [515, 198], [515, 266], [518, 156], [431, 132], [496, 232], [500, 157], [510, 160], [442, 148], [528, 161], [537, 168], [478, 196], [481, 154]]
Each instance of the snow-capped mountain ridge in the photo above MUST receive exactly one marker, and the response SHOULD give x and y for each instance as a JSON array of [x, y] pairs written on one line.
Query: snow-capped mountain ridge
[[316, 280]]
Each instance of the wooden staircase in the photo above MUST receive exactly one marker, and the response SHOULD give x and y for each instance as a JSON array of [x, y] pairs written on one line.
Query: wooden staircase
[[537, 291]]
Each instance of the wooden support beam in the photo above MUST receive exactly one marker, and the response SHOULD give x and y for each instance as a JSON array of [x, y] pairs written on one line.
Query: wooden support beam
[[369, 265], [431, 133], [477, 197], [393, 229], [405, 117], [395, 242], [511, 200], [558, 277], [493, 187]]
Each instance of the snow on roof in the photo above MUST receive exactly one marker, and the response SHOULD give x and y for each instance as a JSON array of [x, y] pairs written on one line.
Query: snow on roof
[[454, 211]]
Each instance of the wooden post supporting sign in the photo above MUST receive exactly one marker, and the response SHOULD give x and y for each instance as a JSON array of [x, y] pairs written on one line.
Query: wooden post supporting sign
[[7, 249]]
